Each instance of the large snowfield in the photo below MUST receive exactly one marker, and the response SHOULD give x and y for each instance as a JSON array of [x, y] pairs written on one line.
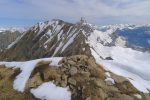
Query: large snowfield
[[134, 65]]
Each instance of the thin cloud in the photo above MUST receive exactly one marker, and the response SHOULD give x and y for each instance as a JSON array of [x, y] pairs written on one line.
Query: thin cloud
[[96, 11]]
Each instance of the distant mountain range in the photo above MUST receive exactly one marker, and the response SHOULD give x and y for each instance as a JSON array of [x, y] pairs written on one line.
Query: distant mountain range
[[137, 35]]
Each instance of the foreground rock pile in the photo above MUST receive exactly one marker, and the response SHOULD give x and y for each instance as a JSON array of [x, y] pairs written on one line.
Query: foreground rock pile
[[86, 81]]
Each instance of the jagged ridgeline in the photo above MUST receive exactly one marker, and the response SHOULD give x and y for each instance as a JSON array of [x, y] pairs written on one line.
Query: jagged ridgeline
[[51, 38]]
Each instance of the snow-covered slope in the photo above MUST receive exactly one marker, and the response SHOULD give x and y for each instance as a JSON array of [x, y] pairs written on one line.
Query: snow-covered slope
[[132, 64]]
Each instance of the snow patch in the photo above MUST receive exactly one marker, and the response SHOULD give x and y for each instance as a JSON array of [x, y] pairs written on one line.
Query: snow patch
[[108, 74], [49, 32], [110, 79], [49, 91]]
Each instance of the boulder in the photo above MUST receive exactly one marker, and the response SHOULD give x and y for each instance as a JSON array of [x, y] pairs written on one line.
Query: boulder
[[72, 81], [73, 70], [125, 97], [72, 63], [108, 58], [118, 79]]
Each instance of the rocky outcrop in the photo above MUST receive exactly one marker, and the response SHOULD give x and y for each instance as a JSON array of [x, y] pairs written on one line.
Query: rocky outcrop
[[85, 79]]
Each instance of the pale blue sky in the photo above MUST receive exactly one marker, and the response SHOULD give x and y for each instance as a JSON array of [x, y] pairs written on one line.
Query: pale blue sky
[[102, 12]]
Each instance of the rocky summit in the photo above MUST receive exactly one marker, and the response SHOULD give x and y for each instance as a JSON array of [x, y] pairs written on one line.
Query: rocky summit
[[81, 74]]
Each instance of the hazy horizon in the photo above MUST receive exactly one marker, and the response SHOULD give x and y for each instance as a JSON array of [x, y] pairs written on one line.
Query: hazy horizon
[[25, 13]]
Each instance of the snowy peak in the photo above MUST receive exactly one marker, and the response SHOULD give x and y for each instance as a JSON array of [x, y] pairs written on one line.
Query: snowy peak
[[60, 38]]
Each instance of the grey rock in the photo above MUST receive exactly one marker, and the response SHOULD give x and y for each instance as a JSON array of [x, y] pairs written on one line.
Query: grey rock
[[99, 83], [73, 71], [88, 98], [71, 62], [72, 81], [108, 82], [63, 83], [125, 97], [118, 79]]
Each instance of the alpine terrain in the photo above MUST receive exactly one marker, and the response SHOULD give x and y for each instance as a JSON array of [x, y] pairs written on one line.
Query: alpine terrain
[[58, 60]]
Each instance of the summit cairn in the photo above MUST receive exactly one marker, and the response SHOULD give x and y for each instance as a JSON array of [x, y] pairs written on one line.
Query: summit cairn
[[83, 20]]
